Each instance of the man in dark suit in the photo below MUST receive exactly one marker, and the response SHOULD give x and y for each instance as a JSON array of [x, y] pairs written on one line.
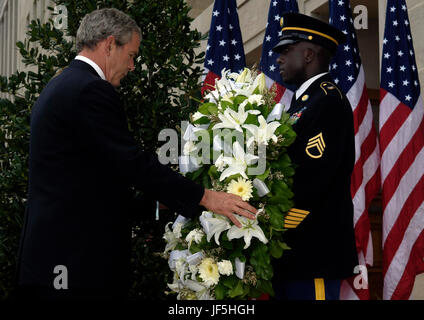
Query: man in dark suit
[[83, 163], [320, 228]]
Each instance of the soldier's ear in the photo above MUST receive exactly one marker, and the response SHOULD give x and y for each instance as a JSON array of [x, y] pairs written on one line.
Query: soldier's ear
[[309, 55]]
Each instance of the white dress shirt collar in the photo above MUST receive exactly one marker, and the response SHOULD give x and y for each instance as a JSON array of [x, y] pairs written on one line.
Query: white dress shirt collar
[[93, 64], [306, 84]]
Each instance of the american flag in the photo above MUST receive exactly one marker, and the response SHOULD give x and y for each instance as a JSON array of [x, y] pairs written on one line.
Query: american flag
[[225, 44], [402, 156], [348, 73], [268, 63]]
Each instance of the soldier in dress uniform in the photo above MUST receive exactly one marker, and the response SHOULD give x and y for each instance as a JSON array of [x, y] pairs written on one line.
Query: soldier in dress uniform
[[320, 227]]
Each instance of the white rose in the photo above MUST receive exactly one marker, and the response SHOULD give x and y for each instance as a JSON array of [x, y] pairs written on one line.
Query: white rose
[[225, 267]]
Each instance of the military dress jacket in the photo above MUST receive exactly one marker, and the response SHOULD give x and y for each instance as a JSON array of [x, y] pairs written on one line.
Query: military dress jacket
[[83, 165], [320, 227]]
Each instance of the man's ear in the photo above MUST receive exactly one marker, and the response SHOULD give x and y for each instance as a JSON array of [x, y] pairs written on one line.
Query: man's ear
[[309, 55], [109, 44]]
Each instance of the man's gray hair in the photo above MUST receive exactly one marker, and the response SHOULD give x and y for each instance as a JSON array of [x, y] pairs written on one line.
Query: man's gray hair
[[100, 24]]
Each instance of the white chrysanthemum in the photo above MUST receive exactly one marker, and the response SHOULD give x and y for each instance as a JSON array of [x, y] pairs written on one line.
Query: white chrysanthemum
[[241, 187], [225, 267], [196, 235], [208, 272]]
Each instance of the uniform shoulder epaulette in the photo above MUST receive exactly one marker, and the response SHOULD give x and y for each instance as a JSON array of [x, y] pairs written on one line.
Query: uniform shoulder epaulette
[[329, 87]]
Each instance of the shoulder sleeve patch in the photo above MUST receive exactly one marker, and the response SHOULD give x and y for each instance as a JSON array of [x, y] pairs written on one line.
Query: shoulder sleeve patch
[[328, 86]]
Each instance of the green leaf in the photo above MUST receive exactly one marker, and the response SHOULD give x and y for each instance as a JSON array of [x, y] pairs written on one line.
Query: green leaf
[[264, 175], [197, 173], [275, 200], [213, 109], [220, 291], [239, 99], [275, 249], [276, 217], [204, 108], [261, 262], [252, 119], [283, 245], [265, 286], [236, 290], [202, 120], [226, 104], [229, 282]]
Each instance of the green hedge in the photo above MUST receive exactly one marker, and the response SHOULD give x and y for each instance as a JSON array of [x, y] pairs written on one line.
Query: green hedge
[[156, 96]]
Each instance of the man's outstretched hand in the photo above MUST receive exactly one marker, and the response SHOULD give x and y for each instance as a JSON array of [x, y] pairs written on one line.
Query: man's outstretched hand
[[227, 204]]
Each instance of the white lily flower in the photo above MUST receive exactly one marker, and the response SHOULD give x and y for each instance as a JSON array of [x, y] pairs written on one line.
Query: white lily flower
[[222, 162], [170, 238], [238, 163], [202, 291], [233, 76], [256, 98], [223, 85], [246, 90], [262, 133], [181, 267], [250, 228], [212, 96], [190, 290], [189, 147], [196, 235], [234, 119], [193, 270], [245, 76], [216, 224], [260, 79], [177, 229], [197, 115], [227, 98]]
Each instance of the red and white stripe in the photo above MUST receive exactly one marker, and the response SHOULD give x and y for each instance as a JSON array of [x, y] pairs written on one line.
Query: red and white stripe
[[402, 176], [365, 180], [208, 81]]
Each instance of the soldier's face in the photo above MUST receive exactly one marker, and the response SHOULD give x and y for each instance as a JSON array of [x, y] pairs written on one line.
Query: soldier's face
[[292, 63]]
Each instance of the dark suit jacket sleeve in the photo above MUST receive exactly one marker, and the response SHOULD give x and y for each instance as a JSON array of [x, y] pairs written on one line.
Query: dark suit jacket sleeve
[[332, 118], [103, 126]]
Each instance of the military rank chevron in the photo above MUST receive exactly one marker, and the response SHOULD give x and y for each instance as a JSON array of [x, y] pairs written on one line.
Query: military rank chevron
[[294, 217], [315, 147]]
